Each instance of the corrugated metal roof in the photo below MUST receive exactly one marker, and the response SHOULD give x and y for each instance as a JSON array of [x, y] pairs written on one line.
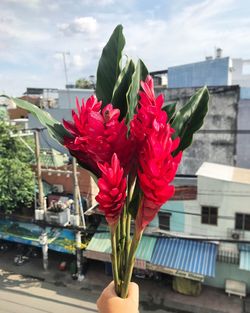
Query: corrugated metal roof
[[224, 172], [245, 260], [100, 242], [186, 255]]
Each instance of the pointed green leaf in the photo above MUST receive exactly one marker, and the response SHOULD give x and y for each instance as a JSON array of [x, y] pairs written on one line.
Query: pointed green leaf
[[170, 110], [119, 99], [109, 66], [140, 73], [190, 118], [55, 128]]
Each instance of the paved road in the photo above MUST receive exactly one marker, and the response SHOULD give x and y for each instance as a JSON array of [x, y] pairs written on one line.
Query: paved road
[[26, 295], [20, 294]]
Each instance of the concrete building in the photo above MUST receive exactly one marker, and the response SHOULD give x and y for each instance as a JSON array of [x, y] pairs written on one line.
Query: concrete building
[[217, 141], [67, 97], [217, 72], [241, 77], [210, 72], [220, 212]]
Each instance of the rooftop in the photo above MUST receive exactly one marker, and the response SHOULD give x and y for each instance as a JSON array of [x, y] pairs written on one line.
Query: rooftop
[[224, 172]]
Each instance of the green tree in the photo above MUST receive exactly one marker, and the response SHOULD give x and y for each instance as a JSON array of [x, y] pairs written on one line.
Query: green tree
[[16, 176], [83, 83]]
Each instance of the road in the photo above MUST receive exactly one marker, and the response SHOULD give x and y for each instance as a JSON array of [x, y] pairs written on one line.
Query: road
[[20, 294]]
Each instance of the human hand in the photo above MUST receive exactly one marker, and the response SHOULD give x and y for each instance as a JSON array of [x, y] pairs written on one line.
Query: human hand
[[109, 302]]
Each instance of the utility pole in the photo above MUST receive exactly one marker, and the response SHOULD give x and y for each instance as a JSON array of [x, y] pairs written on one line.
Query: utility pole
[[39, 172], [64, 53], [44, 236], [77, 212]]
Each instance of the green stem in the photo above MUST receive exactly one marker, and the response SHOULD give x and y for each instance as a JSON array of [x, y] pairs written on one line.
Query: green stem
[[128, 239], [123, 240], [130, 264], [118, 250], [114, 261]]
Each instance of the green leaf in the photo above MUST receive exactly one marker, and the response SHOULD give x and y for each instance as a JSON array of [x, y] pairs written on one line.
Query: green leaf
[[170, 110], [190, 118], [109, 66], [140, 73], [55, 128], [119, 99]]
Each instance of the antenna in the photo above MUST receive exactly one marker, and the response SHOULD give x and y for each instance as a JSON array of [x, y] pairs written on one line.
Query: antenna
[[64, 53]]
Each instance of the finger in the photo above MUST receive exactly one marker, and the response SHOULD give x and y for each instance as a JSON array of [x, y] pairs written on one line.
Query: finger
[[133, 293]]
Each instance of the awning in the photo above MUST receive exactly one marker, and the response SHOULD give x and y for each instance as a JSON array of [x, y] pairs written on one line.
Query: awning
[[183, 256], [99, 248]]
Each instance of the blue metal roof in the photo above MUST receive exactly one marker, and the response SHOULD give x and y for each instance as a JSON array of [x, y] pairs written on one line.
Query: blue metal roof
[[245, 260], [185, 255]]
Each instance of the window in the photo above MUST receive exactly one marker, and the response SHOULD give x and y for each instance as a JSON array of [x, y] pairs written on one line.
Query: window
[[164, 220], [209, 215], [242, 221]]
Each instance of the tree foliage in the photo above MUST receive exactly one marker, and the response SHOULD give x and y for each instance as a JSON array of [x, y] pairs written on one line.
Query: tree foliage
[[84, 83], [16, 176]]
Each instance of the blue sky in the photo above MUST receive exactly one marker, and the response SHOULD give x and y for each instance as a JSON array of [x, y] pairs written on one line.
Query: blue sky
[[162, 33]]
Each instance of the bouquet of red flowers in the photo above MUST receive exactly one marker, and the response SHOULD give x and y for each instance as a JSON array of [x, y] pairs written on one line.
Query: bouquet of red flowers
[[132, 144]]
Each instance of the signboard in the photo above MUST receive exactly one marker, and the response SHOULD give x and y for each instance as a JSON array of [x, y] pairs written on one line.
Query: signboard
[[175, 272], [61, 240]]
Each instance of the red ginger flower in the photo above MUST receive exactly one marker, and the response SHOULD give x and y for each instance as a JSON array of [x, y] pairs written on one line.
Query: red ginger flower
[[112, 192], [148, 112], [157, 166], [97, 135]]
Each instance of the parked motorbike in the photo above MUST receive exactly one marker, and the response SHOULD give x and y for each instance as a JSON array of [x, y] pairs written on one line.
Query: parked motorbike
[[21, 259], [25, 254]]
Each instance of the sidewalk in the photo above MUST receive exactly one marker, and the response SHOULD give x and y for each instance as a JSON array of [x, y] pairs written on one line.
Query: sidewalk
[[153, 295]]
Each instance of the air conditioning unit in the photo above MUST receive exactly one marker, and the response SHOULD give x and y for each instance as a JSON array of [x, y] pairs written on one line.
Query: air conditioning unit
[[235, 235]]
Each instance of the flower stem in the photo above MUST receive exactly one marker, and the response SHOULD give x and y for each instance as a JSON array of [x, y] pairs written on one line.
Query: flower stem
[[130, 264], [128, 239], [118, 248], [123, 220], [114, 261]]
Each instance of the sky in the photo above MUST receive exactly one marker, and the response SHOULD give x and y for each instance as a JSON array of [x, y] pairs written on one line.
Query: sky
[[34, 33]]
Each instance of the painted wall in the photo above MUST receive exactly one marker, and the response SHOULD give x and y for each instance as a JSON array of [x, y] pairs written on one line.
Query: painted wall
[[177, 220], [67, 97], [225, 195], [241, 72], [217, 147], [227, 271], [243, 139], [213, 72]]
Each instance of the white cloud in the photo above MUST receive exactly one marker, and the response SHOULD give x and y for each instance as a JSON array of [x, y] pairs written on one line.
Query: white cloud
[[78, 61], [85, 25], [25, 3], [98, 2]]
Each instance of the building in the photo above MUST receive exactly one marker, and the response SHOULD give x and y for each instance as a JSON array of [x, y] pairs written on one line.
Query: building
[[216, 73], [220, 213], [217, 140], [211, 72], [67, 97]]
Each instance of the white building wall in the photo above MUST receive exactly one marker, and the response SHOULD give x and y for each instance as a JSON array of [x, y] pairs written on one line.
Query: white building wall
[[229, 197], [241, 72]]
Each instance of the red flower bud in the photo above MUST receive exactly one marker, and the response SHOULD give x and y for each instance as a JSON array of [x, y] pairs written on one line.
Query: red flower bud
[[112, 191]]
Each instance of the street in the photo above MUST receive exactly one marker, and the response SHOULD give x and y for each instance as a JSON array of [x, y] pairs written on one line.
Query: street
[[19, 294]]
